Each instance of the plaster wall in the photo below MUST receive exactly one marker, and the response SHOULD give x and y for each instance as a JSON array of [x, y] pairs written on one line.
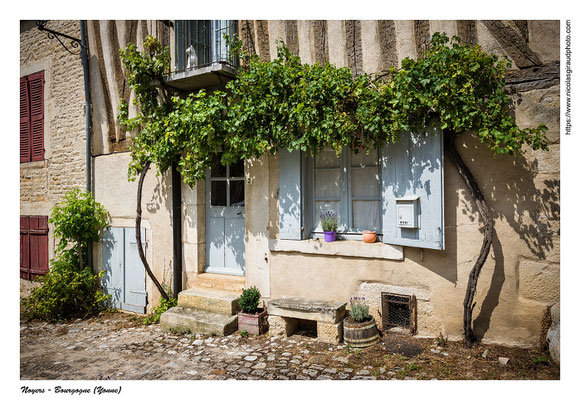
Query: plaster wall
[[521, 276], [119, 197]]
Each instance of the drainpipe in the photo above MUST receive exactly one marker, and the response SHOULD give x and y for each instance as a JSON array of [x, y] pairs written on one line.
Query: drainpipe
[[85, 62], [176, 205]]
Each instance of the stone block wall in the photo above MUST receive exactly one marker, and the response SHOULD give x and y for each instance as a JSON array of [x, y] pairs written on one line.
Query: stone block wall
[[44, 183]]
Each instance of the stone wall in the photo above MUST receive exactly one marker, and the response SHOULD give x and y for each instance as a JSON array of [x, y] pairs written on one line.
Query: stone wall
[[44, 183]]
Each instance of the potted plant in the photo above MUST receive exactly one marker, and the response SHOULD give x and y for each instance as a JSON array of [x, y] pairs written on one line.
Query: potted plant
[[252, 319], [369, 236], [329, 225], [360, 328]]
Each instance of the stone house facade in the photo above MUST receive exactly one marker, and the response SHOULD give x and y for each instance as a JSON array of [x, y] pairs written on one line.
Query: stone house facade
[[53, 161], [236, 230]]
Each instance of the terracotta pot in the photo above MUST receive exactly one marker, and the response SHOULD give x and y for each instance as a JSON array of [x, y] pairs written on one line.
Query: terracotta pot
[[369, 236], [254, 324], [360, 334]]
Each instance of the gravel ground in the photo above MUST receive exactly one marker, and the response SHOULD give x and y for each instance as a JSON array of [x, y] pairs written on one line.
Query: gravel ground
[[115, 346]]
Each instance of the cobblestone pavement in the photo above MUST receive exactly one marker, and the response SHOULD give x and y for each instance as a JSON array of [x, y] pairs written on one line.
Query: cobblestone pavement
[[114, 346]]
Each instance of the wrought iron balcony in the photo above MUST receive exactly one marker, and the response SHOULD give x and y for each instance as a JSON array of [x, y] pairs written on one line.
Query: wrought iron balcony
[[202, 54]]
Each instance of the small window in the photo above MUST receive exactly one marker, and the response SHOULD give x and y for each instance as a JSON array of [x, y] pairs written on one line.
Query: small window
[[399, 310], [350, 185]]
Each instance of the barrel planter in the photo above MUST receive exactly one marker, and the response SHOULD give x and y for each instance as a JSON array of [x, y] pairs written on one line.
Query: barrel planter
[[360, 334]]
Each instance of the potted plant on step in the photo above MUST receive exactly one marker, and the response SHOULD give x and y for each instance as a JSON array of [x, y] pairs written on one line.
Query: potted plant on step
[[252, 319], [329, 225], [360, 328]]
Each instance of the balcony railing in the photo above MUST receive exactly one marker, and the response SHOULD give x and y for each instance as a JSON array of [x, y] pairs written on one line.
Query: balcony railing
[[202, 43]]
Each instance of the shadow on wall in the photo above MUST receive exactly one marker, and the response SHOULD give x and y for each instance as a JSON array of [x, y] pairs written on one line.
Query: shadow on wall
[[161, 195], [530, 206]]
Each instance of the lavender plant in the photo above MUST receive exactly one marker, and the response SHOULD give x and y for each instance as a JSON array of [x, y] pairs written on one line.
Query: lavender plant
[[329, 221], [359, 309]]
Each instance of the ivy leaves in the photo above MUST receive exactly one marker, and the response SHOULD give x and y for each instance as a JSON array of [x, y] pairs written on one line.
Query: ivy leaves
[[286, 104]]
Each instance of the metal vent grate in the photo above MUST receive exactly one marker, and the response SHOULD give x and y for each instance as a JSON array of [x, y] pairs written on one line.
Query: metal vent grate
[[399, 311]]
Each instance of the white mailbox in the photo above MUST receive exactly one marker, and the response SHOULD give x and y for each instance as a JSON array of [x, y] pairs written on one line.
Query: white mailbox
[[407, 208]]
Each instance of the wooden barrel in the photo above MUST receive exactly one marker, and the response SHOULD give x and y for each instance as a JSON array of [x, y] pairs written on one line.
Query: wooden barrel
[[360, 334]]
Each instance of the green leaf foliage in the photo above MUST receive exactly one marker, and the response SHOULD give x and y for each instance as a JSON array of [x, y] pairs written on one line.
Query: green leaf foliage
[[283, 103], [78, 219], [65, 293], [249, 300]]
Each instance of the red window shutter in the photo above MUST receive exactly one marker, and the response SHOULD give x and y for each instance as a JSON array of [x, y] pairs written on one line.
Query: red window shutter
[[33, 246], [24, 248], [38, 234], [24, 121], [36, 84]]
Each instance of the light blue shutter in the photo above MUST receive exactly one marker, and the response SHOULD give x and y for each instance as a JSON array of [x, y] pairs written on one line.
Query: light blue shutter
[[290, 195], [180, 61], [414, 166], [113, 264], [135, 293]]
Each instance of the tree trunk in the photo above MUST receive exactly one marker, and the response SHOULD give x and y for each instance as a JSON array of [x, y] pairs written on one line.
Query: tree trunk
[[471, 183], [138, 231]]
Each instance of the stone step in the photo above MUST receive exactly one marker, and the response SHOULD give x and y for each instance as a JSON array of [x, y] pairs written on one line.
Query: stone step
[[211, 300], [189, 320], [220, 282]]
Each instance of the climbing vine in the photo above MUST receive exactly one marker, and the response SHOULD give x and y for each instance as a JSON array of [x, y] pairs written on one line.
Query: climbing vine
[[283, 103]]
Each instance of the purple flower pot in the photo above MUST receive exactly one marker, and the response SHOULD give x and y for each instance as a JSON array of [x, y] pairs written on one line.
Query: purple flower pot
[[329, 236]]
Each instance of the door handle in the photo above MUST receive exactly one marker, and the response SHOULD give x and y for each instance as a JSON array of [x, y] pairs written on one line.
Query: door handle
[[240, 213]]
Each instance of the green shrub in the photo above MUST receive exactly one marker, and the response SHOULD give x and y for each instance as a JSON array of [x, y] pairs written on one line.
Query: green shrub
[[65, 294], [70, 289], [164, 305], [249, 300], [359, 309]]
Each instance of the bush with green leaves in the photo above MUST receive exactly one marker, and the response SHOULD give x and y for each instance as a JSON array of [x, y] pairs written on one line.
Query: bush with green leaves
[[359, 309], [78, 220], [65, 293], [70, 289], [249, 300]]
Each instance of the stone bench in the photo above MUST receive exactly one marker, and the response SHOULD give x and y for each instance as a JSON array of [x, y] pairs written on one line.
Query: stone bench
[[284, 314]]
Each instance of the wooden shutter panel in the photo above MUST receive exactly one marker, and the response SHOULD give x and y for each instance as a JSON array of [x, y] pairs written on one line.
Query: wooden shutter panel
[[24, 248], [290, 196], [38, 236], [24, 121], [414, 166], [36, 84]]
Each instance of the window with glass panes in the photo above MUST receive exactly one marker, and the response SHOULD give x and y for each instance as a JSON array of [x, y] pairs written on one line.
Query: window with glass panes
[[227, 184], [350, 185]]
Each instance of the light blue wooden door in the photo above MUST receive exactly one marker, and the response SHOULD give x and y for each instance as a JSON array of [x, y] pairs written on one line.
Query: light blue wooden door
[[225, 225], [113, 264], [135, 294], [125, 274]]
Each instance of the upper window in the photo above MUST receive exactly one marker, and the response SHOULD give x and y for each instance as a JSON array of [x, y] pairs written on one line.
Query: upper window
[[350, 185], [32, 117], [202, 43]]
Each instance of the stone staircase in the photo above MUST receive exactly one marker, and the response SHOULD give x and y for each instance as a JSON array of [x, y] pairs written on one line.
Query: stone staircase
[[203, 310]]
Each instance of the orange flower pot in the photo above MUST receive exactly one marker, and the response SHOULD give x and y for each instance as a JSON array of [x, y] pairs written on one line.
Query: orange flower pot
[[369, 236]]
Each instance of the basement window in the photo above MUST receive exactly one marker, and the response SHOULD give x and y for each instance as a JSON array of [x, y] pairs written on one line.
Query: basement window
[[399, 311]]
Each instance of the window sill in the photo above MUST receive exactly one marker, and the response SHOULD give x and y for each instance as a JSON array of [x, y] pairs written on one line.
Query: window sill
[[343, 248]]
